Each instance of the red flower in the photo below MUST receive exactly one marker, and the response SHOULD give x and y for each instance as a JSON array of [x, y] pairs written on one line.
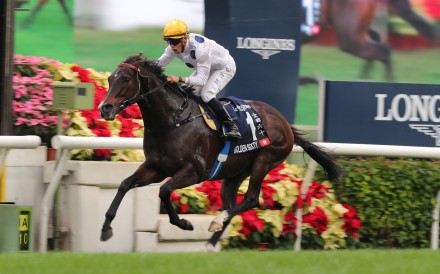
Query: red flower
[[184, 208], [175, 198], [268, 202], [213, 190], [127, 126], [102, 153], [318, 190], [131, 112], [239, 199], [352, 221], [317, 219], [251, 222], [289, 226], [432, 7], [275, 175]]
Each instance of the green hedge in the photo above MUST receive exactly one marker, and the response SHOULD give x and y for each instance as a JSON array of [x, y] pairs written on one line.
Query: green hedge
[[394, 199]]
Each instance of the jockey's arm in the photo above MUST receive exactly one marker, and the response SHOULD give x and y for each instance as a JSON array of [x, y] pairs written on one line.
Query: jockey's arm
[[201, 75], [166, 57]]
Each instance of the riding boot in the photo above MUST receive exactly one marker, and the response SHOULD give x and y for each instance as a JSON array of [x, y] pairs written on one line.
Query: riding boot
[[220, 111]]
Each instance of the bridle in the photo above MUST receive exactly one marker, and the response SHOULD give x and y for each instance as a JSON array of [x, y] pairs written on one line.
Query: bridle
[[139, 95]]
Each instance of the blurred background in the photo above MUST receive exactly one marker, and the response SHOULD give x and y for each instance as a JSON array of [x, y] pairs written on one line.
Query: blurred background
[[99, 34]]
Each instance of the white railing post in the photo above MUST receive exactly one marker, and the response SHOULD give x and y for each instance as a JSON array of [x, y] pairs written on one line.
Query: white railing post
[[303, 194], [48, 198], [435, 223]]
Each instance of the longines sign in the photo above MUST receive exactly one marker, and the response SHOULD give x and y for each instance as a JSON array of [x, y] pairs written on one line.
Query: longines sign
[[265, 47], [381, 113]]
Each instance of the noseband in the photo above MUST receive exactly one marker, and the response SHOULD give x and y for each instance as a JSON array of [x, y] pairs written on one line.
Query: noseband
[[138, 96]]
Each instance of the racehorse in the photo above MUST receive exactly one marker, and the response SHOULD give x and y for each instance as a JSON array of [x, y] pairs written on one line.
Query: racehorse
[[178, 144], [351, 21]]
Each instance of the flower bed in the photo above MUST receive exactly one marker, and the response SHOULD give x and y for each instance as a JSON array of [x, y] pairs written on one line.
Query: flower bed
[[326, 222], [32, 85]]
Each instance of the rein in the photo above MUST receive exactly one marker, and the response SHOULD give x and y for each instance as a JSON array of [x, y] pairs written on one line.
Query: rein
[[138, 96]]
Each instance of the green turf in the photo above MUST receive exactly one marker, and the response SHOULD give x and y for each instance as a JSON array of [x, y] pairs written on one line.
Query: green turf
[[242, 262], [51, 36]]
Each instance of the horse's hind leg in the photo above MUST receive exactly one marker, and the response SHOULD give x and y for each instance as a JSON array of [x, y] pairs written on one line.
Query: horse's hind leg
[[142, 177], [251, 197], [229, 198]]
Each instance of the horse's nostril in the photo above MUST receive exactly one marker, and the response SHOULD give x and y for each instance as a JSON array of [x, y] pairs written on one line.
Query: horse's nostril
[[106, 107]]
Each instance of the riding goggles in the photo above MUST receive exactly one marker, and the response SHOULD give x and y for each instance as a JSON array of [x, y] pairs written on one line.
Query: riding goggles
[[173, 42]]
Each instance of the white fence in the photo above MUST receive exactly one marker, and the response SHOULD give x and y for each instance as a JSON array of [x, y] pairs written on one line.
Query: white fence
[[65, 143], [16, 142]]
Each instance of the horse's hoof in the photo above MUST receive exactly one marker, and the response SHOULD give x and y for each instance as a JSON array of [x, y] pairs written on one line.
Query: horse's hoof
[[210, 248], [186, 225], [214, 226], [106, 234]]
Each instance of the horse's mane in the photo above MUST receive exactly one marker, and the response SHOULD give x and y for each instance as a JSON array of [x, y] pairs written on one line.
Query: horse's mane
[[153, 67]]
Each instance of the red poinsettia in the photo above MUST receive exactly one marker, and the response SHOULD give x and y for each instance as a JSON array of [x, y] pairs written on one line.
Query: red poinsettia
[[317, 219], [275, 175], [316, 190], [127, 127], [267, 190], [352, 221], [290, 222], [251, 222], [432, 7], [176, 199], [213, 190]]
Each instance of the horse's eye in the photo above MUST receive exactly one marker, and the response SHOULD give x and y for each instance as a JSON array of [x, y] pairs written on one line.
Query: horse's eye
[[126, 79]]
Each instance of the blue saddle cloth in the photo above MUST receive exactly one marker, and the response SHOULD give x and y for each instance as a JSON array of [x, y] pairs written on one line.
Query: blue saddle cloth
[[250, 125], [248, 121]]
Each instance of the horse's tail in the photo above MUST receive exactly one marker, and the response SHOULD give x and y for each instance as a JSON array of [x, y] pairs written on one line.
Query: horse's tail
[[331, 168]]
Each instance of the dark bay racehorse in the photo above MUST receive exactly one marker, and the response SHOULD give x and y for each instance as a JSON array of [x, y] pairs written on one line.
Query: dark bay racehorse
[[351, 21], [187, 152]]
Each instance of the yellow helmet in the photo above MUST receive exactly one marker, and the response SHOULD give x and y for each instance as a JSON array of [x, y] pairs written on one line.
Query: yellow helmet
[[175, 29]]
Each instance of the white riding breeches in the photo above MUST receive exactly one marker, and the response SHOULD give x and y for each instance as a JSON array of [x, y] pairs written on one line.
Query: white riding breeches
[[217, 80]]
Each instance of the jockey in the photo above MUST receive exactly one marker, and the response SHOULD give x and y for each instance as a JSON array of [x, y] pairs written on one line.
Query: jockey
[[213, 67]]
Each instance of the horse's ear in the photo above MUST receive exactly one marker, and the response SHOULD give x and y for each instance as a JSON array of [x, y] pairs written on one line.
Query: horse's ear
[[141, 54]]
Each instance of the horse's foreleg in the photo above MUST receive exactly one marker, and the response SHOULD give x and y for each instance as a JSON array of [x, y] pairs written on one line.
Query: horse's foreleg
[[183, 178], [143, 176]]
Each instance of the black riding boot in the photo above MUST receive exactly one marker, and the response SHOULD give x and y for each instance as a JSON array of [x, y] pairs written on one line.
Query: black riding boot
[[219, 110]]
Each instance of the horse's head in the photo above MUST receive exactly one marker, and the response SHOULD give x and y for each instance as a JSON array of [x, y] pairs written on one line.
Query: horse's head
[[129, 83]]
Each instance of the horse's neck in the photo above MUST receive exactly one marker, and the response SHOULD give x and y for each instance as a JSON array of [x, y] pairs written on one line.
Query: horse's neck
[[161, 109]]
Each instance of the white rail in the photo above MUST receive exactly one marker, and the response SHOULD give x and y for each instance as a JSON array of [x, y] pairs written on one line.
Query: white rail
[[371, 150], [16, 142], [65, 143]]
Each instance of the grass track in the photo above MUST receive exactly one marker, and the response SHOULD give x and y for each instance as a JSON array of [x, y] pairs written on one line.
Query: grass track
[[241, 262]]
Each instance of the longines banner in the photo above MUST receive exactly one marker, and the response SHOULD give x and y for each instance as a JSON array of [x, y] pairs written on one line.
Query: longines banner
[[264, 39], [381, 113]]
